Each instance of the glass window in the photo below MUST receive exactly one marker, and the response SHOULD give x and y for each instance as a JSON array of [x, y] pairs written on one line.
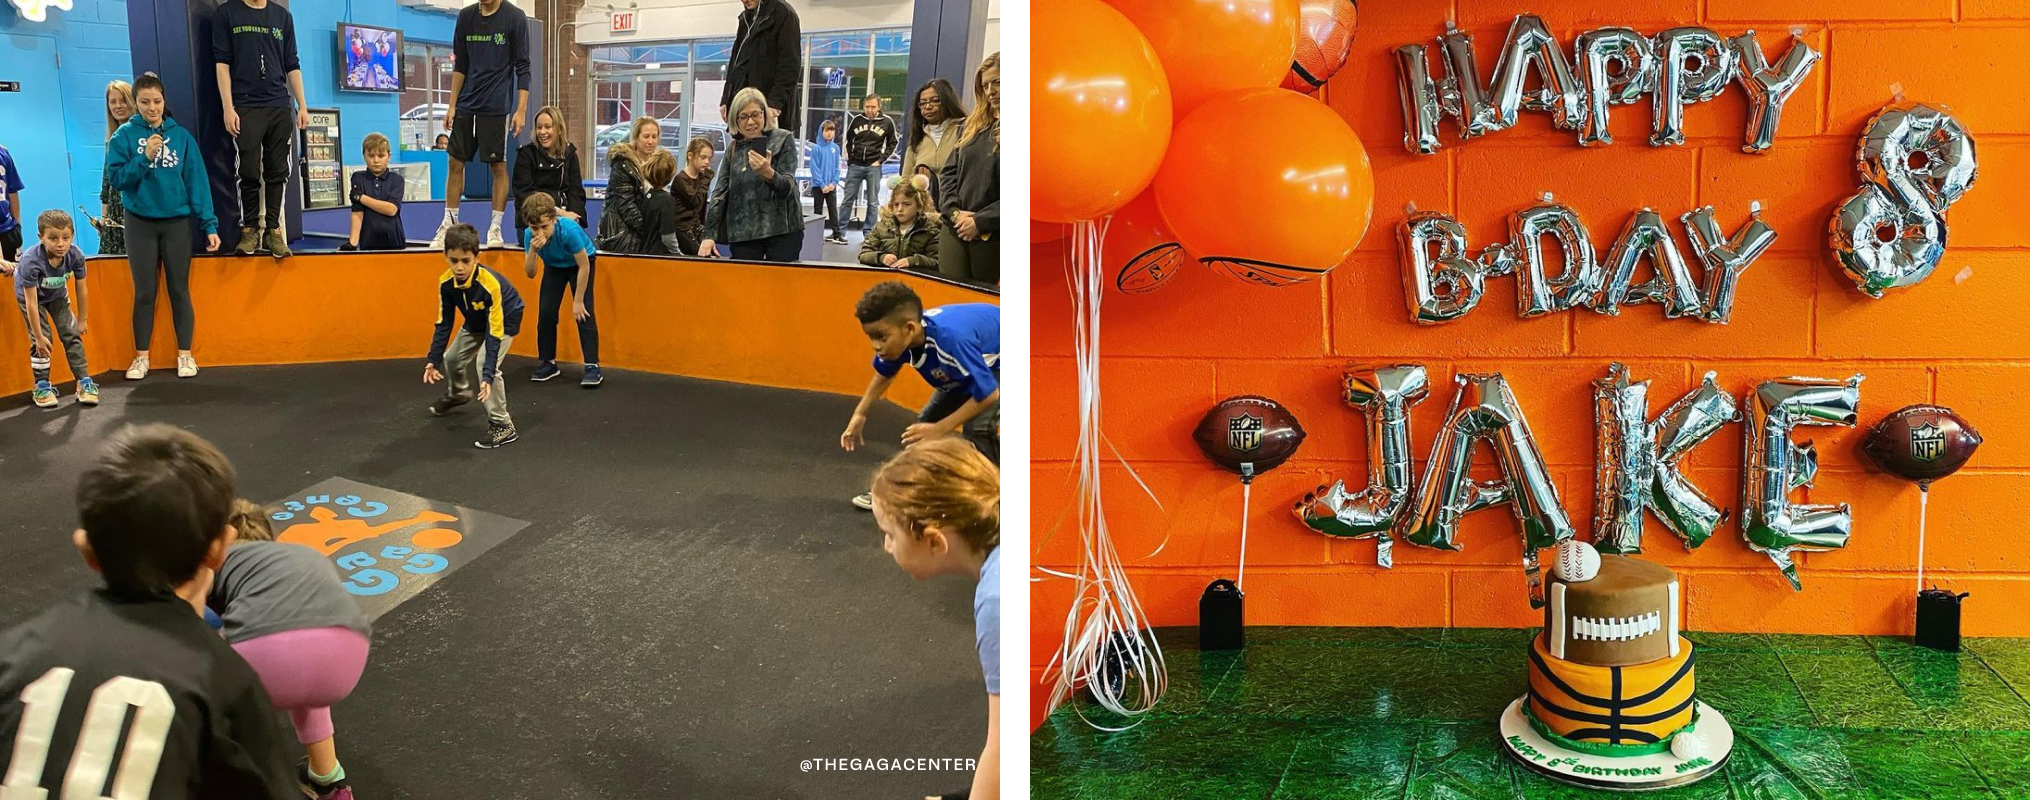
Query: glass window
[[426, 78], [838, 78]]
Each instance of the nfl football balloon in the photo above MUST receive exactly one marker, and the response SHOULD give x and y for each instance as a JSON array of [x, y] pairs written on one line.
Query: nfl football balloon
[[1249, 430], [1922, 443]]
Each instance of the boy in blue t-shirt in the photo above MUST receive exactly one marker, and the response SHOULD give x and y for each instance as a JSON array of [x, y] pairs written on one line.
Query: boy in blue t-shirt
[[10, 207], [40, 289], [957, 350], [565, 251]]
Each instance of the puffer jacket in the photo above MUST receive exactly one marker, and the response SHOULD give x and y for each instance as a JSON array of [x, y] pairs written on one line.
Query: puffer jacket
[[625, 216], [919, 245], [743, 207]]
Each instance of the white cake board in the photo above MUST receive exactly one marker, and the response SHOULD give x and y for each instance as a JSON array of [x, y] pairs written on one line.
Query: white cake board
[[1629, 774]]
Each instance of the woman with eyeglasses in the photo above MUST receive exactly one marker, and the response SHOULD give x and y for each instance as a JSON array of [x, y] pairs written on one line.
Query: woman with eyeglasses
[[935, 124], [754, 206]]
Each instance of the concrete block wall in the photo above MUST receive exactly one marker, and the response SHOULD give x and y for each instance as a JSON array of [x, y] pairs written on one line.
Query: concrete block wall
[[1170, 355]]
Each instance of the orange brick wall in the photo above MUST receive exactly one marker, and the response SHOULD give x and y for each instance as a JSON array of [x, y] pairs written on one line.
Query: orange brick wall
[[1171, 354]]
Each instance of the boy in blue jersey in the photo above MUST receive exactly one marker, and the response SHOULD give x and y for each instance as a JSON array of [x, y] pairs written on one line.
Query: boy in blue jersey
[[493, 315], [957, 350]]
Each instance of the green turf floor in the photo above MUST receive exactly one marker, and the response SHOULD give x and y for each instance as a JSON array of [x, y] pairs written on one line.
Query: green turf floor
[[1410, 713]]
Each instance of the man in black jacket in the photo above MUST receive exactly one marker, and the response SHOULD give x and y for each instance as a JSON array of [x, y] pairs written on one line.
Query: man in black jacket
[[767, 55], [870, 140]]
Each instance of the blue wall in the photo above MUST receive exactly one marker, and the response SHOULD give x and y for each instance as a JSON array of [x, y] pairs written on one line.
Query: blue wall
[[360, 113], [91, 42]]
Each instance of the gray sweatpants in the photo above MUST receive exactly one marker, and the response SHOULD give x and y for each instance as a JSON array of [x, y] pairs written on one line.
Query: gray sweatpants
[[67, 336], [463, 362]]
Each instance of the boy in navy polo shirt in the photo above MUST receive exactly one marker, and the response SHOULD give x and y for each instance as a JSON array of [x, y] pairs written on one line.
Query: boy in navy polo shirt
[[253, 44], [40, 289], [567, 256], [376, 201], [493, 315], [957, 350], [10, 207], [489, 67]]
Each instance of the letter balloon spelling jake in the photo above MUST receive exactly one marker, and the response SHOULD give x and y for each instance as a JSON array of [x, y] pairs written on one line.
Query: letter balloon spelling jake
[[1485, 408], [1772, 465], [1384, 395]]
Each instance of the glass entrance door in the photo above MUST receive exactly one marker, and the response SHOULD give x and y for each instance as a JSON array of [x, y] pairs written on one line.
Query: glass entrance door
[[657, 93]]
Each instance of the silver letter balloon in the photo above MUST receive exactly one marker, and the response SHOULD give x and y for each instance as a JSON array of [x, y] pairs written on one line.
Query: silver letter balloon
[[1773, 465], [1637, 463], [1384, 395], [1485, 408], [1917, 161]]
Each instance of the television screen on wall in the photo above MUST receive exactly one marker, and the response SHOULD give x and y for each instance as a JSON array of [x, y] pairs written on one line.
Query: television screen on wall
[[370, 58]]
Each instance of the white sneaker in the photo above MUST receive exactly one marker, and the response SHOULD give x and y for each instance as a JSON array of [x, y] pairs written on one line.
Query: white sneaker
[[186, 367], [138, 369], [437, 241], [493, 237]]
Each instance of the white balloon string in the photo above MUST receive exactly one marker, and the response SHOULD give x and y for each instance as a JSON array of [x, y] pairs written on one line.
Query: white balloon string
[[1107, 646], [1923, 506], [1241, 580]]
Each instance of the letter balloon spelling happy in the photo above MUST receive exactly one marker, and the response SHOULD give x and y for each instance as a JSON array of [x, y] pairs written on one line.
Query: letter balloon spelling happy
[[1485, 408], [1609, 66], [1384, 395], [1772, 465]]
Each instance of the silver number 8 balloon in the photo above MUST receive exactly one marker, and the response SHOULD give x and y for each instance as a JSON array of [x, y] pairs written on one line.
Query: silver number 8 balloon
[[1917, 161]]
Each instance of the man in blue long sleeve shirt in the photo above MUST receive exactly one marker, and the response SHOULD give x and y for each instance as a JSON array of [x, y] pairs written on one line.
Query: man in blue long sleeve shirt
[[489, 72], [957, 350], [253, 45], [493, 315]]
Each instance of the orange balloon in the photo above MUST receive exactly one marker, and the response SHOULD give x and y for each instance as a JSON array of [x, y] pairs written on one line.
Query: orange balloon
[[1209, 47], [1292, 202], [1040, 232], [1140, 252], [1099, 111]]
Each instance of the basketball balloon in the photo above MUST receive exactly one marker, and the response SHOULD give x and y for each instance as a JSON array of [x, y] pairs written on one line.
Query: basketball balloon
[[1213, 46], [1324, 40], [1921, 443], [1139, 250], [1267, 186], [1100, 111], [1249, 435]]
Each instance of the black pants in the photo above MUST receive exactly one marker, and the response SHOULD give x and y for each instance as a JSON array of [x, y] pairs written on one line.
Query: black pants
[[828, 204], [688, 240], [160, 246], [264, 161], [785, 248], [983, 430], [976, 261], [554, 281], [10, 245]]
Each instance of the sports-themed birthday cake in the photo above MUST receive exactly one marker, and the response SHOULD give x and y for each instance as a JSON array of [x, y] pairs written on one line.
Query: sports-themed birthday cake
[[1611, 667], [1611, 694]]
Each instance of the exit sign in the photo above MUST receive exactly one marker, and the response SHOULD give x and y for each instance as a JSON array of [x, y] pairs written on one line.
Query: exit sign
[[623, 22]]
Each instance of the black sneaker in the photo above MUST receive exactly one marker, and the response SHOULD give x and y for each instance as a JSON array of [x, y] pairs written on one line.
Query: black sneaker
[[545, 371], [313, 788], [444, 405], [496, 435]]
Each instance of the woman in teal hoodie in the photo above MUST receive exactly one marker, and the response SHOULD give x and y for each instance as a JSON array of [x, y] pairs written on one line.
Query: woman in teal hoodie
[[155, 165]]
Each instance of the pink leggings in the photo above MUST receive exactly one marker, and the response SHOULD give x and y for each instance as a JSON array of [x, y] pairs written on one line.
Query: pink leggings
[[306, 672]]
